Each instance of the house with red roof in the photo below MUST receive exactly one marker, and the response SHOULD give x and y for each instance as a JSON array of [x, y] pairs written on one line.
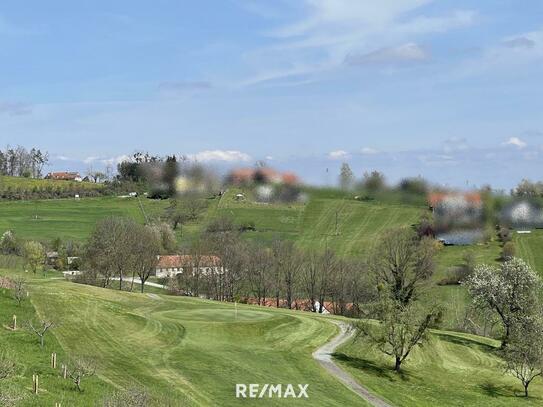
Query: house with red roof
[[64, 176], [170, 266]]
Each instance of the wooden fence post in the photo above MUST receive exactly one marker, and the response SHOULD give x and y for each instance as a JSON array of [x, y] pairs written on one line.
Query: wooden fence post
[[54, 360], [65, 371], [35, 384], [14, 322]]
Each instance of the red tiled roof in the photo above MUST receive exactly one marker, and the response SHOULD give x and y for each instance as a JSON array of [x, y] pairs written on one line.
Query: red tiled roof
[[435, 198], [177, 261], [63, 175]]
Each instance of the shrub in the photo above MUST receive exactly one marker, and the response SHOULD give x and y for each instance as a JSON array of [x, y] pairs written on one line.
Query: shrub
[[455, 275], [508, 251]]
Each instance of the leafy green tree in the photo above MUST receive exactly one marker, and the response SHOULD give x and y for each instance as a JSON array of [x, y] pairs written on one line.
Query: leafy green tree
[[400, 328], [346, 177], [34, 255], [401, 263]]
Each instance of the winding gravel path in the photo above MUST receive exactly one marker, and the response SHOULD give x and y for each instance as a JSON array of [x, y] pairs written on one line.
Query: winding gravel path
[[324, 356]]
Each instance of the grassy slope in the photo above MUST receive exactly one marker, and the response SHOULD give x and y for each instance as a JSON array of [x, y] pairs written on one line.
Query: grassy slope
[[29, 183], [452, 369], [186, 351], [192, 352], [358, 223], [67, 218], [530, 248]]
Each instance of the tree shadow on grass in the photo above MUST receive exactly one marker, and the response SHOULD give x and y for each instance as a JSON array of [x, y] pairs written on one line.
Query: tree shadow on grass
[[457, 340], [371, 367], [497, 390]]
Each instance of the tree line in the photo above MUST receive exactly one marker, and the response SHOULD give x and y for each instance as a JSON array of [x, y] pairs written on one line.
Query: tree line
[[20, 162]]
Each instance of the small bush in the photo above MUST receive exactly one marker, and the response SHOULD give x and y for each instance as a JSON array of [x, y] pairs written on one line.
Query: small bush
[[454, 275], [508, 251]]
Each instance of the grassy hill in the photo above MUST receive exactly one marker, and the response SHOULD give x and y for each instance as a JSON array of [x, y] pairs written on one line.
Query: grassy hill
[[452, 369], [189, 351], [29, 183], [185, 351], [68, 218]]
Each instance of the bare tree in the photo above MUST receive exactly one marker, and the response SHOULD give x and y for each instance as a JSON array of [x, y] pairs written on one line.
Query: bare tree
[[523, 355], [81, 368], [109, 248], [288, 264], [259, 269], [143, 252], [19, 289], [40, 329]]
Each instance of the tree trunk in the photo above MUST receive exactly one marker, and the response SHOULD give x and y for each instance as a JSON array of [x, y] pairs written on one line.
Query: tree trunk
[[526, 389], [142, 284], [41, 341], [397, 365]]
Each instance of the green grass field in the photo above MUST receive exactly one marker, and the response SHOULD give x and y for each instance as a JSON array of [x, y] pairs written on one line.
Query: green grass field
[[188, 351], [184, 351], [530, 248], [30, 183], [451, 369], [68, 218]]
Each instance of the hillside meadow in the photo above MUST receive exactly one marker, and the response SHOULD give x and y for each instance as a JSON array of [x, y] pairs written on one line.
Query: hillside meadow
[[183, 351], [187, 351]]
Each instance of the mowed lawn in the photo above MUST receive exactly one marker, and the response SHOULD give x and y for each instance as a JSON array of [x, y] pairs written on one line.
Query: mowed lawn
[[530, 248], [69, 218], [451, 369], [351, 227], [184, 351]]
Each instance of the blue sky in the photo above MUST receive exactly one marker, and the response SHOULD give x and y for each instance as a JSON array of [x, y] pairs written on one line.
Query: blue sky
[[451, 90]]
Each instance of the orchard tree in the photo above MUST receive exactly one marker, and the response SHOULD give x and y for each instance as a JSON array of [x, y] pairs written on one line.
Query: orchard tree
[[400, 329], [523, 355], [511, 290], [81, 368], [40, 329]]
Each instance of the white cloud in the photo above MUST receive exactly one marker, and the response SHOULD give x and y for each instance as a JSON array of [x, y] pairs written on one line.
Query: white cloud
[[63, 158], [409, 52], [516, 142], [107, 160], [329, 31], [338, 155], [220, 155], [115, 160], [90, 159], [369, 151]]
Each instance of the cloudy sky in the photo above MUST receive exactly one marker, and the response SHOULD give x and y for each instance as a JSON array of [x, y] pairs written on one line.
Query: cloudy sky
[[451, 90]]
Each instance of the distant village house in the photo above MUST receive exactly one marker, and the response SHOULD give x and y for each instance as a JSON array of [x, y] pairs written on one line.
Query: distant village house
[[170, 266], [64, 176]]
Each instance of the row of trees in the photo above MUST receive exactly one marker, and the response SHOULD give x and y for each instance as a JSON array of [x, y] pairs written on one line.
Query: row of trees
[[279, 274], [20, 162], [121, 248]]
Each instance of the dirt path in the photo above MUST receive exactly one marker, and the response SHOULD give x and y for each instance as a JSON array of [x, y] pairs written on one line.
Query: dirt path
[[324, 356]]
